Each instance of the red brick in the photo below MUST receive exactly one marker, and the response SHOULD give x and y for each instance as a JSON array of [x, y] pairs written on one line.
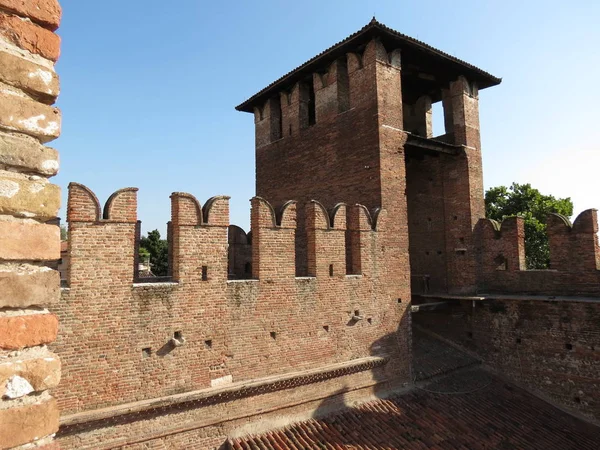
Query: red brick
[[30, 37], [17, 332], [45, 12]]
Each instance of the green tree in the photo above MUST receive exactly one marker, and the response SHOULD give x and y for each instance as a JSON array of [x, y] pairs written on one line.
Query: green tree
[[64, 234], [158, 250], [527, 202]]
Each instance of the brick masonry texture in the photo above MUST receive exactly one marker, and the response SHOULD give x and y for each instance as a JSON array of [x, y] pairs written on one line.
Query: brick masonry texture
[[25, 154], [28, 116], [40, 372], [574, 257], [22, 241], [17, 332], [23, 424], [29, 86], [24, 286], [549, 346], [24, 197], [30, 37], [241, 330], [45, 12], [359, 211], [32, 78]]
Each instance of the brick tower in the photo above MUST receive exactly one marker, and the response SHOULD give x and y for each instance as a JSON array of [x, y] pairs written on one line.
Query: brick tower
[[354, 125]]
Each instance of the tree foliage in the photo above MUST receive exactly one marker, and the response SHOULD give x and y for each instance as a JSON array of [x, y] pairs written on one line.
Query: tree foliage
[[157, 250], [527, 202]]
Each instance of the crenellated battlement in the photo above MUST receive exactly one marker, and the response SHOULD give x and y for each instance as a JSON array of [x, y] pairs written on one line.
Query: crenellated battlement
[[199, 236], [224, 328], [574, 256], [323, 93]]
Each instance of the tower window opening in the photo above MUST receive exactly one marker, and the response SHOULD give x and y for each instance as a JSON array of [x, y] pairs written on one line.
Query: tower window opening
[[276, 122], [308, 114], [312, 112], [343, 85]]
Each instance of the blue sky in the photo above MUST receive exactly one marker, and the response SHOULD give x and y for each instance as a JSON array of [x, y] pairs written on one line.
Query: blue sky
[[149, 88]]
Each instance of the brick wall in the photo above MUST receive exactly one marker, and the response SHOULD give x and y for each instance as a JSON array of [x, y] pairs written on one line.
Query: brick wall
[[549, 345], [426, 223], [352, 153], [230, 330], [29, 86], [336, 159], [574, 257]]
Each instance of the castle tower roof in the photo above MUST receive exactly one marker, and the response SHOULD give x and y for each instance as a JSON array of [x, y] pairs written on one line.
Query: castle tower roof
[[429, 66]]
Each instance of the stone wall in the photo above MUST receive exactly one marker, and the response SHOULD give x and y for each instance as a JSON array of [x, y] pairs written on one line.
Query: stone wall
[[29, 86], [549, 345], [203, 332]]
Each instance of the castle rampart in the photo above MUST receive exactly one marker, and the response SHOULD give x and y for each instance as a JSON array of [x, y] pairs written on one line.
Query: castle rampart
[[204, 331], [574, 257], [310, 311]]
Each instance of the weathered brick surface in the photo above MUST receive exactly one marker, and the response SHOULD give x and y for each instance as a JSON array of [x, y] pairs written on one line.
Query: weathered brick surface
[[550, 346], [41, 373], [30, 117], [574, 257], [26, 154], [241, 330], [426, 223], [23, 197], [23, 424], [45, 12], [26, 331], [30, 37], [334, 160], [29, 241], [29, 87], [29, 77], [23, 287], [209, 426], [341, 134]]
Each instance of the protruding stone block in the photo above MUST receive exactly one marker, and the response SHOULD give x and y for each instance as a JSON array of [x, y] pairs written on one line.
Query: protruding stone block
[[30, 117], [40, 373], [23, 197], [28, 423], [18, 332], [29, 76], [45, 12], [23, 288], [29, 36], [29, 241], [26, 153]]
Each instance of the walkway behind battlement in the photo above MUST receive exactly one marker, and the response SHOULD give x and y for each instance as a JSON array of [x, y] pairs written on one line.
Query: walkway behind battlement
[[455, 404]]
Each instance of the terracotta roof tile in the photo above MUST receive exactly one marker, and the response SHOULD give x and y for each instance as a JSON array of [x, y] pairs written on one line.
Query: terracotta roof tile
[[497, 416], [371, 29]]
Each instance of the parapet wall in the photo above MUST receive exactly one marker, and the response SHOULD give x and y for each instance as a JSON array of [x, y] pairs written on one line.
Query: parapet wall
[[574, 257], [123, 342], [549, 346]]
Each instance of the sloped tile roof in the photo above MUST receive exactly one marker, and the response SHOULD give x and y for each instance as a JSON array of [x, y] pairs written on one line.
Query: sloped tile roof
[[372, 29], [492, 415]]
